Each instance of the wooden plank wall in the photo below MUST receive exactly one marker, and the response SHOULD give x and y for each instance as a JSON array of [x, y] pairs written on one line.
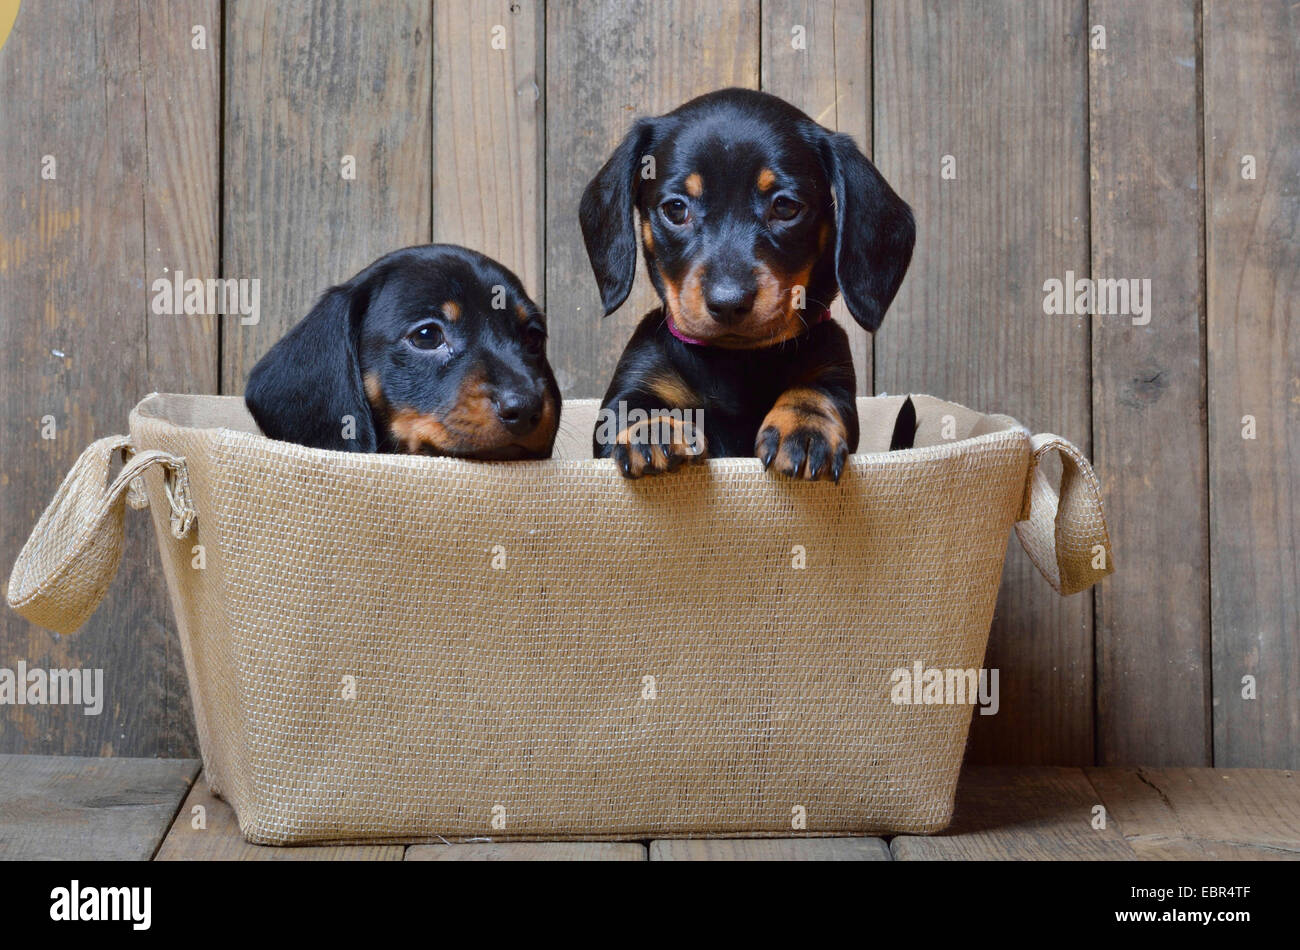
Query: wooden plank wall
[[127, 112], [1148, 386], [1121, 160], [1252, 112]]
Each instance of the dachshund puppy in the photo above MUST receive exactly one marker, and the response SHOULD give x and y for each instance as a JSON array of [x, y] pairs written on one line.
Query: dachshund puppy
[[434, 349], [752, 219]]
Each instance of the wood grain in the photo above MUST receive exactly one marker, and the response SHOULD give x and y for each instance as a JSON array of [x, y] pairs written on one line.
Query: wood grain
[[134, 189], [529, 851], [66, 808], [770, 849], [829, 78], [182, 128], [609, 66], [968, 324], [488, 132], [1020, 814], [1252, 71], [1204, 814], [307, 84], [1148, 401], [182, 132], [206, 829]]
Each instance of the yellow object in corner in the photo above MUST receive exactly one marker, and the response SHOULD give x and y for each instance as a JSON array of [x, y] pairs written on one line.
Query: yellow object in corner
[[8, 13]]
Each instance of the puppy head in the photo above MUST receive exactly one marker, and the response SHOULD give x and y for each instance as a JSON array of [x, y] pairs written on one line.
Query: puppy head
[[742, 200], [433, 349]]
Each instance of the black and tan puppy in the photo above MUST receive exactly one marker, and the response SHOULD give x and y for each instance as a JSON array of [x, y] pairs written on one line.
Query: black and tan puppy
[[434, 349], [752, 218]]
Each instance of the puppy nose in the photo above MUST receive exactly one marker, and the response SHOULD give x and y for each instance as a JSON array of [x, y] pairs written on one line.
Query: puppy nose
[[728, 301], [519, 411]]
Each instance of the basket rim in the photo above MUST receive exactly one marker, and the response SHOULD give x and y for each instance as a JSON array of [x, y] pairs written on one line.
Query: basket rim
[[154, 408]]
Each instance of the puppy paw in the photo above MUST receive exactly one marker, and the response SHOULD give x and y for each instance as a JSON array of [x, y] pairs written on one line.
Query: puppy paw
[[803, 436], [659, 444]]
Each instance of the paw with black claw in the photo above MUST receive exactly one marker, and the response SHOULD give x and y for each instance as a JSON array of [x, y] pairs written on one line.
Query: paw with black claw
[[803, 437], [656, 445]]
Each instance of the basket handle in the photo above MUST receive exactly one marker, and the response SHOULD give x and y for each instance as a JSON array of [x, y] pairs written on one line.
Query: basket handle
[[64, 569], [1064, 532]]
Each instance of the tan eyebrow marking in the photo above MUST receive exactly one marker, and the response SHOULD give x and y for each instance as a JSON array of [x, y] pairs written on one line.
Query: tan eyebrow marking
[[766, 179], [648, 236], [694, 185], [522, 311], [452, 310]]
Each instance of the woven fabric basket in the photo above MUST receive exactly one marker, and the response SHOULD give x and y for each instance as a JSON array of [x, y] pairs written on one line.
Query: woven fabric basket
[[392, 647]]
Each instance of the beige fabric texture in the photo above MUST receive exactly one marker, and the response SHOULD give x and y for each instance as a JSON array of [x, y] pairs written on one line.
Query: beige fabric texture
[[546, 650]]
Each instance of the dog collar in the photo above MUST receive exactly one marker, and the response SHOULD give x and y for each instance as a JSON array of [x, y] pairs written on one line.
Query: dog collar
[[672, 328]]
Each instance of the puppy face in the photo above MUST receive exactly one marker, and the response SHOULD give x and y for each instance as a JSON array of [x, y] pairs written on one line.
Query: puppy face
[[734, 228], [453, 362], [754, 218], [435, 350]]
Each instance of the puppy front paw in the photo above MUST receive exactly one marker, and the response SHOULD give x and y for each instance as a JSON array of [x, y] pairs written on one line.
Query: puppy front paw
[[803, 436], [659, 444]]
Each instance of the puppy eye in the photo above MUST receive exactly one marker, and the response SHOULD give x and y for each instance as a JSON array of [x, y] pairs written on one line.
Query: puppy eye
[[535, 339], [676, 211], [427, 336], [785, 209]]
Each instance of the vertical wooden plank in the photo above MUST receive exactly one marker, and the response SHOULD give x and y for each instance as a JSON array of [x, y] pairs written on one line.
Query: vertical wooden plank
[[1252, 113], [825, 70], [182, 132], [488, 130], [77, 255], [1001, 87], [307, 84], [182, 128], [612, 61], [1153, 628]]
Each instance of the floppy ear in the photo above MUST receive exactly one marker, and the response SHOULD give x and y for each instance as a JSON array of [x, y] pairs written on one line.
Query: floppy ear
[[606, 214], [874, 231], [305, 385]]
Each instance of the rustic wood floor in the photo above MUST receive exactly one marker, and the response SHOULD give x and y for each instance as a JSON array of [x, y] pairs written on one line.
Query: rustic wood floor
[[64, 807]]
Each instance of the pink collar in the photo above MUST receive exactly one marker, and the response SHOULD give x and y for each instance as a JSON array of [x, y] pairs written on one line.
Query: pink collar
[[672, 328]]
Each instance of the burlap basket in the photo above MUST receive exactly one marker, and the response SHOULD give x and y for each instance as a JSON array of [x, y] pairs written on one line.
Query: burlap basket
[[393, 647]]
